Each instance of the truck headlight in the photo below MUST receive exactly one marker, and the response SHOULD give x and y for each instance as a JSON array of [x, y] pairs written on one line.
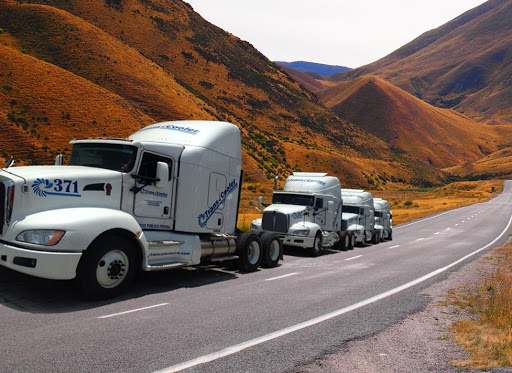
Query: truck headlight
[[301, 232], [41, 237]]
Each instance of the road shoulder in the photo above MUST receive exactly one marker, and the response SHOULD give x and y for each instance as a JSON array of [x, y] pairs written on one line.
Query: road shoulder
[[419, 343]]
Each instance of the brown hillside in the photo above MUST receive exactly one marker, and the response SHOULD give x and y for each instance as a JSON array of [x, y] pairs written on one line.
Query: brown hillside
[[40, 120], [159, 60], [442, 137], [497, 164], [465, 64]]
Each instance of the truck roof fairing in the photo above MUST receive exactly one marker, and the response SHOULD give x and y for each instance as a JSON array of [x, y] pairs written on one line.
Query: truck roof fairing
[[221, 137]]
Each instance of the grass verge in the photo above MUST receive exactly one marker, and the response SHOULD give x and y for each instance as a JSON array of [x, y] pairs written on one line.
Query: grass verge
[[487, 335]]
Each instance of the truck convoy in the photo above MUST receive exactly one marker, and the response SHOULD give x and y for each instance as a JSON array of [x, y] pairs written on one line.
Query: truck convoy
[[383, 218], [313, 212], [359, 216], [166, 197]]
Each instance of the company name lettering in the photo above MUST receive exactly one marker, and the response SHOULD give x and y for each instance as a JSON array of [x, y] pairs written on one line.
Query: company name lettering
[[153, 193], [205, 216], [173, 127], [306, 181]]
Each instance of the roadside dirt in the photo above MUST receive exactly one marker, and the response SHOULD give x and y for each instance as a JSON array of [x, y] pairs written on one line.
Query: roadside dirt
[[420, 343]]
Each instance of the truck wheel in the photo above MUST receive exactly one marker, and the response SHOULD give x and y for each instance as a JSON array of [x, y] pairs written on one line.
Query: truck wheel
[[345, 243], [272, 249], [375, 237], [352, 242], [317, 245], [107, 267], [390, 235], [248, 249]]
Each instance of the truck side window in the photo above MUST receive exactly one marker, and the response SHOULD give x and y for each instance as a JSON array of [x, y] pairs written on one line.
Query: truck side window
[[319, 203], [148, 164]]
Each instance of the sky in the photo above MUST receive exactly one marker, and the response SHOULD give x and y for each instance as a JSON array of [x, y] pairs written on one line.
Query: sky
[[334, 32]]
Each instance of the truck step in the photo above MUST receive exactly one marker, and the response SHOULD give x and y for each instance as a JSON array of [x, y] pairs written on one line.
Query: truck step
[[223, 258], [163, 267], [154, 244]]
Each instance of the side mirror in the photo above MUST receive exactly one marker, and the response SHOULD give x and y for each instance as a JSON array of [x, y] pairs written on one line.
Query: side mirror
[[58, 160], [162, 173], [260, 201], [251, 203], [9, 163]]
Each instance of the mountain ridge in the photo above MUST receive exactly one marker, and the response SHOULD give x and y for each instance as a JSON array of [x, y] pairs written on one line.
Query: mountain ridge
[[165, 62]]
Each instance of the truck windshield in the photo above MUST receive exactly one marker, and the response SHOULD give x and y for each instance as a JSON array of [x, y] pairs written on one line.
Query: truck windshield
[[293, 199], [116, 157], [378, 214], [350, 209]]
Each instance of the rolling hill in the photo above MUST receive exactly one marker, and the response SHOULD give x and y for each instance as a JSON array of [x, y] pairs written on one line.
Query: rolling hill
[[442, 137], [82, 68], [465, 64]]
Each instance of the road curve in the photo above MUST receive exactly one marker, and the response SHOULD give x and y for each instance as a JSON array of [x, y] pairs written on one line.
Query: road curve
[[217, 320]]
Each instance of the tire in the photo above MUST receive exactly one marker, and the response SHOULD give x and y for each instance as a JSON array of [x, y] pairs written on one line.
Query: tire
[[375, 237], [107, 267], [272, 249], [317, 245], [345, 245], [352, 242], [249, 251], [390, 236]]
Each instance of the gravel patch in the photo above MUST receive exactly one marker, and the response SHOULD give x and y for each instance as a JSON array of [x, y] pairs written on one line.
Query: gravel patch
[[419, 343]]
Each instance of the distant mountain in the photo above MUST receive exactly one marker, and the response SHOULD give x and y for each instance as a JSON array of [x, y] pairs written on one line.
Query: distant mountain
[[311, 83], [465, 64], [318, 68]]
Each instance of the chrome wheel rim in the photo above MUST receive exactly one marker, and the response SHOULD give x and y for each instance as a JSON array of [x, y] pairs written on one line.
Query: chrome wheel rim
[[112, 268]]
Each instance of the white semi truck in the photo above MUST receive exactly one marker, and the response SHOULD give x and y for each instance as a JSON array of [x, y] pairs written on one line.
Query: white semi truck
[[166, 197], [306, 213], [383, 218], [359, 216]]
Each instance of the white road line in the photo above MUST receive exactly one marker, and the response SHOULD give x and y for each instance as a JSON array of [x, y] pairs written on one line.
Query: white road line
[[306, 324], [422, 220], [283, 276], [354, 257], [392, 247], [131, 311], [419, 239], [437, 233]]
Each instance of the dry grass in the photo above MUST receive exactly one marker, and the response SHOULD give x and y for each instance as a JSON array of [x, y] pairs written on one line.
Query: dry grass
[[407, 205], [488, 336], [413, 204]]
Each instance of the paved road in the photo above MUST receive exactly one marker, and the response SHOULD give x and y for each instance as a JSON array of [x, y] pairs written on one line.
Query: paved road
[[217, 320]]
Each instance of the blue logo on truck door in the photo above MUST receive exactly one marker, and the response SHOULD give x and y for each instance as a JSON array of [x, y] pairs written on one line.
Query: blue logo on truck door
[[59, 187], [205, 216]]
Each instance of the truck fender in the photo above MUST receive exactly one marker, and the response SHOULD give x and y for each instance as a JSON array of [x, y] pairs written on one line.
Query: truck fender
[[82, 226]]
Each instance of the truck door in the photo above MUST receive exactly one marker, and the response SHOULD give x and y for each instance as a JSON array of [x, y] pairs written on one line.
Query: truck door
[[216, 197], [150, 201]]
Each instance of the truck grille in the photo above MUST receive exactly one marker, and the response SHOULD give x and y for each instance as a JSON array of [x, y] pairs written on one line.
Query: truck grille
[[274, 221], [2, 207]]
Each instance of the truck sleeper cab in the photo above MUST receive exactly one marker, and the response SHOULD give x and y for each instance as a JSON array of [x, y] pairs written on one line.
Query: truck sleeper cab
[[166, 197], [359, 216], [383, 218], [306, 213]]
